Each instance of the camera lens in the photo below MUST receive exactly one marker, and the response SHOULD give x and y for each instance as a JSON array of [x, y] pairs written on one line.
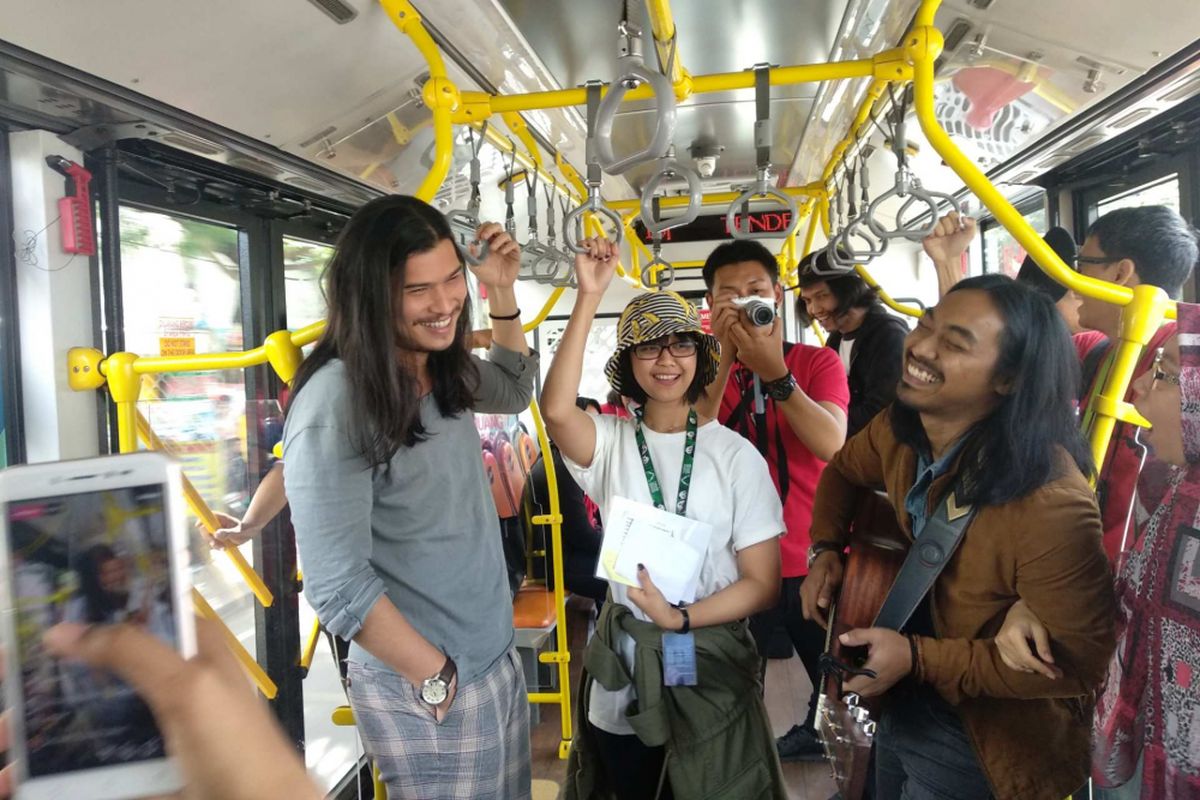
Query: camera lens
[[760, 313]]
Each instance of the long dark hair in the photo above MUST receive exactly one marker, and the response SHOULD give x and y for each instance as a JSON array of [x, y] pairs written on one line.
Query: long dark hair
[[99, 604], [384, 395], [849, 289], [1016, 448]]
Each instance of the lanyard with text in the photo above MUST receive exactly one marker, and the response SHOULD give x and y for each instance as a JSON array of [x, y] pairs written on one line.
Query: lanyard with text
[[679, 649], [685, 473]]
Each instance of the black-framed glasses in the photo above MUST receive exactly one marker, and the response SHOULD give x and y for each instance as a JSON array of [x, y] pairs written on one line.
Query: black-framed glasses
[[1080, 260], [650, 351], [1159, 373]]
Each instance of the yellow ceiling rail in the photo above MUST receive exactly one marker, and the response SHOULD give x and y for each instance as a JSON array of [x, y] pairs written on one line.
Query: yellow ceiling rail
[[520, 129], [666, 41], [440, 94], [889, 65], [859, 127], [505, 145]]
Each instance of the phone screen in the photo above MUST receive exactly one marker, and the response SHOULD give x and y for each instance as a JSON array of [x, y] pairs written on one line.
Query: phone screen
[[94, 558]]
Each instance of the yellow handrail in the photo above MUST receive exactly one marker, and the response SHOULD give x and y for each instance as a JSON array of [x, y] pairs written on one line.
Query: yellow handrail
[[440, 94], [1145, 307], [261, 679], [888, 65], [561, 655], [200, 508]]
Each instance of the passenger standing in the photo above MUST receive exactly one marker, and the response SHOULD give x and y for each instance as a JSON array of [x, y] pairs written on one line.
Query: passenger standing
[[802, 424], [649, 732], [1129, 247], [1146, 735], [394, 519], [869, 340], [982, 419]]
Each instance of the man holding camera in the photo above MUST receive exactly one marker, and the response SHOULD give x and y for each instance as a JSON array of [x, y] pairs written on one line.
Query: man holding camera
[[790, 400]]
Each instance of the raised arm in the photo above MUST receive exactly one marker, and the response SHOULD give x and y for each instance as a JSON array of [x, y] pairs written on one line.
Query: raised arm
[[945, 246], [724, 314], [817, 422], [572, 429]]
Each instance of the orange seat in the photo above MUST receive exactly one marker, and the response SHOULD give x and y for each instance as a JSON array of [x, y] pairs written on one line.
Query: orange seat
[[527, 451], [533, 607], [512, 469], [504, 505]]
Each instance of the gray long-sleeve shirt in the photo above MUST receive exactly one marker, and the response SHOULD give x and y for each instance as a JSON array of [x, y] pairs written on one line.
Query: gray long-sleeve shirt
[[425, 533]]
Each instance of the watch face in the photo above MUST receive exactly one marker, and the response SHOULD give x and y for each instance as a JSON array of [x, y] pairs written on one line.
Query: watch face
[[433, 691]]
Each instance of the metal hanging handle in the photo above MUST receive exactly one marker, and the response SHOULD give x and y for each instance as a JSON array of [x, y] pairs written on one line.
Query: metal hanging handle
[[665, 274], [573, 222], [761, 188], [633, 73], [463, 227], [670, 168]]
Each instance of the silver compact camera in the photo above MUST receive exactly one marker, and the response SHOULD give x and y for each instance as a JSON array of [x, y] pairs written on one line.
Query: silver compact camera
[[759, 311]]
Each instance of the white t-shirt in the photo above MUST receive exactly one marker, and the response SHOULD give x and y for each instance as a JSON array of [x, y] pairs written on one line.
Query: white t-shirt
[[845, 348], [731, 490]]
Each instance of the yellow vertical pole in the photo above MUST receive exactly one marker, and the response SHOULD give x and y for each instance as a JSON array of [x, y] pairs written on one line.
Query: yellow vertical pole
[[562, 654], [125, 386]]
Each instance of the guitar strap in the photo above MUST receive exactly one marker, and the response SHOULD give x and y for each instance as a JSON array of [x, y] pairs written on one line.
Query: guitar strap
[[932, 550]]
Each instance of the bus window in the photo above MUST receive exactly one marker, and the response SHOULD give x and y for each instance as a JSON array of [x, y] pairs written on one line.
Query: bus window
[[181, 284], [1001, 252], [304, 265], [1161, 192]]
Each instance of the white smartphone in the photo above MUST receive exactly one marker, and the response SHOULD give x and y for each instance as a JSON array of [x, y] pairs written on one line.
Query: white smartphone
[[95, 541]]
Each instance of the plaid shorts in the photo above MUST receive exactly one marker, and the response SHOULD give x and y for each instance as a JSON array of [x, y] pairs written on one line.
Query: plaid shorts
[[480, 750]]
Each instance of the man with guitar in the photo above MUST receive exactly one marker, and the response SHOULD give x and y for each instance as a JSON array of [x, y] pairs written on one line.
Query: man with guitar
[[984, 469]]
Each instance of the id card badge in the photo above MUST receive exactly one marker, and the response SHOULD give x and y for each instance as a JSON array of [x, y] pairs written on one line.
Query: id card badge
[[679, 659]]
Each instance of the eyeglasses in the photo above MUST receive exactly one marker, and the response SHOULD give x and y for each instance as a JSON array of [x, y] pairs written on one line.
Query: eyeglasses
[[1159, 373], [650, 351], [1097, 260]]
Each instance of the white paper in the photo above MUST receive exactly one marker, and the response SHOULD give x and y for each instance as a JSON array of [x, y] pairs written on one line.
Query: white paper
[[671, 547]]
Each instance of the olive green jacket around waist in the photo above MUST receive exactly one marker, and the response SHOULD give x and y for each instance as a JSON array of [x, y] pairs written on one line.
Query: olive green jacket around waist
[[718, 742]]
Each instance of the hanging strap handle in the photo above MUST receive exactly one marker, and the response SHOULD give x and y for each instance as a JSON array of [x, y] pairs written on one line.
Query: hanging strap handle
[[634, 72], [572, 232], [761, 188]]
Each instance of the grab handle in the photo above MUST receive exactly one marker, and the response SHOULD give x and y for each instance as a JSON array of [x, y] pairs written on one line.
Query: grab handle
[[463, 226], [670, 168], [760, 189], [571, 231], [634, 72]]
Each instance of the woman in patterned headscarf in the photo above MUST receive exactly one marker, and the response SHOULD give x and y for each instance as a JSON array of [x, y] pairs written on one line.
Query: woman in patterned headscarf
[[1147, 726]]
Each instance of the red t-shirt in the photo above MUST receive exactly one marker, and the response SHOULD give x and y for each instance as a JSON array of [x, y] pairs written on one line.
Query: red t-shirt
[[1119, 474], [821, 376]]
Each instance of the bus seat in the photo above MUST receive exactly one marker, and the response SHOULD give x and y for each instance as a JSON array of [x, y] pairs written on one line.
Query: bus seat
[[527, 451], [512, 468], [533, 607], [504, 505]]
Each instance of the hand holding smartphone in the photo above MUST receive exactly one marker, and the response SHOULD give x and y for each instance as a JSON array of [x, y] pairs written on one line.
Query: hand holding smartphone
[[90, 543]]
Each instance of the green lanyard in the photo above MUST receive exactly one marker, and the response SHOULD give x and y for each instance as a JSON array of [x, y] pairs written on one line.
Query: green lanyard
[[685, 473]]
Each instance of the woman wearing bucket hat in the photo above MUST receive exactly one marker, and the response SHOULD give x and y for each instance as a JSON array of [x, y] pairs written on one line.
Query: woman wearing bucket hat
[[671, 693]]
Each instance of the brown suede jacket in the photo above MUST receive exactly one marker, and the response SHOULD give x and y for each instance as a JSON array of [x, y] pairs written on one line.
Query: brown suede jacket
[[1031, 734]]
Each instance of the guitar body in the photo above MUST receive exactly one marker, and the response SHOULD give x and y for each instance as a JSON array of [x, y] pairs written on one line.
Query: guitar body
[[846, 725]]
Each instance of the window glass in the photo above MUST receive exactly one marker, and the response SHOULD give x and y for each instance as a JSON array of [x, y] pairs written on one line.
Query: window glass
[[181, 288], [304, 265], [1001, 252], [1162, 192]]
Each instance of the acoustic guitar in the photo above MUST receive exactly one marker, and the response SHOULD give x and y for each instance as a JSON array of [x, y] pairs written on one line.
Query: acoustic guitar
[[845, 723]]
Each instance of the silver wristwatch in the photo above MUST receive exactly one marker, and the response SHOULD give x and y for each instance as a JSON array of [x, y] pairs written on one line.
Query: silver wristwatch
[[435, 690]]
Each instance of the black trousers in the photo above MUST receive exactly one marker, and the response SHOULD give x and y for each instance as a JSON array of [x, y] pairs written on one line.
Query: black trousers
[[632, 769], [807, 636]]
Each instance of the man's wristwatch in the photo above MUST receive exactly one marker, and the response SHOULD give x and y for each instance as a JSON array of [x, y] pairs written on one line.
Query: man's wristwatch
[[817, 548], [780, 389], [435, 690]]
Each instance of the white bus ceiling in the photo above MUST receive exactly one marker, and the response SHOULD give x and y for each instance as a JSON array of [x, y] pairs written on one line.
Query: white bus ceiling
[[284, 73]]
